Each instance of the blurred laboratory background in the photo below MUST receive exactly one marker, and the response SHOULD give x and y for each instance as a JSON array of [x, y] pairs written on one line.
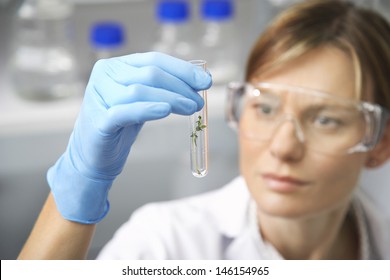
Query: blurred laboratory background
[[47, 50]]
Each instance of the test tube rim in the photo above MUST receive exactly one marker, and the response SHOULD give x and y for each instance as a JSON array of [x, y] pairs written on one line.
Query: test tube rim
[[199, 62]]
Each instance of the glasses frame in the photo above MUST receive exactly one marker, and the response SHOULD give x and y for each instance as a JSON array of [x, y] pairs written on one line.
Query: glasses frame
[[376, 116]]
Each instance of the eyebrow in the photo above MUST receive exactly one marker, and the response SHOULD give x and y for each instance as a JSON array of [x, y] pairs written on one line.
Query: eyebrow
[[275, 88], [337, 109], [342, 104]]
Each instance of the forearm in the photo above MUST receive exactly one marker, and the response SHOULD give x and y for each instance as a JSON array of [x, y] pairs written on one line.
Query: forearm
[[53, 237]]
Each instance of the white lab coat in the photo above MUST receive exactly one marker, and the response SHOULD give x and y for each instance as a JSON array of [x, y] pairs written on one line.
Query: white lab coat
[[222, 224]]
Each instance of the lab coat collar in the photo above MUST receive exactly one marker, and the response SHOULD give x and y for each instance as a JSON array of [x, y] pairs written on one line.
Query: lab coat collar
[[374, 228], [231, 212], [236, 216], [249, 244]]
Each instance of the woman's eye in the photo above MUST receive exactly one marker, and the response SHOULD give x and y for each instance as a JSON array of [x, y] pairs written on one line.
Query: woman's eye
[[327, 122], [264, 109]]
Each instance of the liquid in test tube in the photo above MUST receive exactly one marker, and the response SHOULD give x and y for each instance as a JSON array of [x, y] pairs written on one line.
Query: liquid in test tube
[[199, 134]]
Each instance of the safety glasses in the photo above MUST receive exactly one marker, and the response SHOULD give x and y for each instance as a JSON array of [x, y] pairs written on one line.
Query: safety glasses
[[323, 122]]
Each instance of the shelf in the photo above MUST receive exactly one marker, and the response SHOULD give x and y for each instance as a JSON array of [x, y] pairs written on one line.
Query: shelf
[[20, 116]]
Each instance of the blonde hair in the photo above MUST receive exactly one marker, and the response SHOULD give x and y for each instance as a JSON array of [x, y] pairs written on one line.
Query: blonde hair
[[362, 34]]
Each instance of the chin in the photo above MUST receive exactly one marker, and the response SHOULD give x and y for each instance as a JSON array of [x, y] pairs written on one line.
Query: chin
[[283, 207], [283, 212]]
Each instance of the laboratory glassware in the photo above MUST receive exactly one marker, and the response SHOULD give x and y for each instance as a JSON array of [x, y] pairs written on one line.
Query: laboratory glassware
[[107, 38], [199, 134], [175, 36], [43, 63], [217, 42]]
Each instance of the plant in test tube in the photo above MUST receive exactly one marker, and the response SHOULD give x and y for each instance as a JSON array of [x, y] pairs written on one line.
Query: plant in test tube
[[199, 127], [199, 134]]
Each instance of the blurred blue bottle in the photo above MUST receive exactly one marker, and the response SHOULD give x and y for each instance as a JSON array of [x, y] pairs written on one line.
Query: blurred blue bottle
[[218, 43], [106, 39], [174, 34], [43, 63]]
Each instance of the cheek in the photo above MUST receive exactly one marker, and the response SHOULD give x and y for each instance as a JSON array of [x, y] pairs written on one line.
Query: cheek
[[336, 177], [250, 152], [251, 163], [338, 170]]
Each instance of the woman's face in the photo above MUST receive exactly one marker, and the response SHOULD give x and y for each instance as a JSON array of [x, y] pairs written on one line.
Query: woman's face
[[285, 178]]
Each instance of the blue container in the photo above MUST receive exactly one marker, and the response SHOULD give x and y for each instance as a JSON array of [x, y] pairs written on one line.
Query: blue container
[[107, 34], [217, 10], [173, 11]]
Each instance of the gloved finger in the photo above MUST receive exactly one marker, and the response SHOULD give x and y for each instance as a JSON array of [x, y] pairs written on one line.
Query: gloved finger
[[112, 94], [135, 113], [152, 76], [193, 75]]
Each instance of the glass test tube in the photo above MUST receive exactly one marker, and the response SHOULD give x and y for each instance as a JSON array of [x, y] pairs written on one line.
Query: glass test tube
[[199, 134]]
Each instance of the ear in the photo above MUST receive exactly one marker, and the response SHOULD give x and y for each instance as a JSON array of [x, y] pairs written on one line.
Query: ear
[[381, 152]]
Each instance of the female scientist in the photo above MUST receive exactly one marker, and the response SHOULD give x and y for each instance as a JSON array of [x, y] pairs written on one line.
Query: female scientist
[[313, 112]]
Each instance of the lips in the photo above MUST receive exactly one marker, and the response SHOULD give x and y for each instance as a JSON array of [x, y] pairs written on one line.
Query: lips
[[283, 183]]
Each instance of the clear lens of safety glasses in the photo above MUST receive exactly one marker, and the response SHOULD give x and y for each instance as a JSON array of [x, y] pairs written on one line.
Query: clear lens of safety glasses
[[323, 122]]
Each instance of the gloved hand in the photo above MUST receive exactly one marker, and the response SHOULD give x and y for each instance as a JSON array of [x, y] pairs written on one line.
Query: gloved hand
[[121, 95]]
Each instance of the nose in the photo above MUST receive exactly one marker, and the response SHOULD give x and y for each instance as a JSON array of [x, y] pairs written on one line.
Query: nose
[[287, 142]]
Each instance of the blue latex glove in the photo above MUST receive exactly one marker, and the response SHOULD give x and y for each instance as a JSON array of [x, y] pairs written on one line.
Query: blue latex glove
[[121, 95]]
